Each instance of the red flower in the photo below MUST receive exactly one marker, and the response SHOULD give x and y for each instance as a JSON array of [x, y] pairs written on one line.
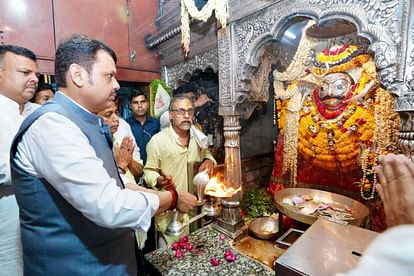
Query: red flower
[[361, 121], [215, 261], [243, 212], [184, 239], [179, 254], [175, 246], [188, 246], [181, 244], [229, 256]]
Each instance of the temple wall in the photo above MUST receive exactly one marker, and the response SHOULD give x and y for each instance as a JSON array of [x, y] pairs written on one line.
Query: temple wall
[[236, 54]]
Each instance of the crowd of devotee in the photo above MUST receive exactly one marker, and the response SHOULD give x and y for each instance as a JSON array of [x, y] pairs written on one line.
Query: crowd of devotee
[[76, 169]]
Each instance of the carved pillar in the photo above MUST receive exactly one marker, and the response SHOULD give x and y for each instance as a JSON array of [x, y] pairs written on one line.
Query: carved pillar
[[232, 161], [230, 221], [406, 134], [404, 105]]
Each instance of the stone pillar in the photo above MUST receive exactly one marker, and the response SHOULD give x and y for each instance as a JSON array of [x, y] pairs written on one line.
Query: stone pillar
[[406, 133], [232, 160]]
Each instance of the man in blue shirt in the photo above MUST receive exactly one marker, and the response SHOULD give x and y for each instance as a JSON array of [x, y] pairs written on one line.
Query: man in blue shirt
[[143, 126]]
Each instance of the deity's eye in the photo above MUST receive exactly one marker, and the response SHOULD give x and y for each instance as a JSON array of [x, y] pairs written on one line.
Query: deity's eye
[[340, 86]]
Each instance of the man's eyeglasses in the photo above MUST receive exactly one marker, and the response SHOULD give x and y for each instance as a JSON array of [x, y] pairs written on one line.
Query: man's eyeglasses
[[182, 111]]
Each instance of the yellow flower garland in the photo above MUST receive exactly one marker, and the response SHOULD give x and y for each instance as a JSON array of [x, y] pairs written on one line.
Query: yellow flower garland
[[333, 144], [313, 146]]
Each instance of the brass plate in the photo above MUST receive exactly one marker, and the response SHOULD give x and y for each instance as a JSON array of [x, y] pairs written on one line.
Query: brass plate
[[359, 210]]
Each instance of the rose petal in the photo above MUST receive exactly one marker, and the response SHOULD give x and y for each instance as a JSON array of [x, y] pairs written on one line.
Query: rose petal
[[175, 246], [215, 261], [179, 253], [188, 246], [230, 258], [184, 239]]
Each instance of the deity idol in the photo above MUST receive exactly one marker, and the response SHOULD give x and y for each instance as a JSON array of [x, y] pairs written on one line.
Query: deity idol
[[331, 115], [331, 110]]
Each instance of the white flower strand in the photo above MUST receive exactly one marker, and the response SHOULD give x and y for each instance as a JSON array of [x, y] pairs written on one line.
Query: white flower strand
[[188, 8], [295, 71]]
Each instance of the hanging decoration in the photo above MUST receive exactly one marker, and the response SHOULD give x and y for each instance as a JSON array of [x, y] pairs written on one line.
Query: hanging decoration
[[387, 124], [188, 8], [293, 99], [369, 160]]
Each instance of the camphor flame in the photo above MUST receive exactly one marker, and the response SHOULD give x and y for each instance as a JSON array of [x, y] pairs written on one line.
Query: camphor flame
[[218, 189]]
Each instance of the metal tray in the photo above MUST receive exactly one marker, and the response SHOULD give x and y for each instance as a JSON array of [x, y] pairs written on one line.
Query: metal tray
[[359, 210]]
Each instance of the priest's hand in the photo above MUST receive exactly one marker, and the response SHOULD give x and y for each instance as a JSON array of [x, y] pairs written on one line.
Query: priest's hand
[[396, 188], [207, 164]]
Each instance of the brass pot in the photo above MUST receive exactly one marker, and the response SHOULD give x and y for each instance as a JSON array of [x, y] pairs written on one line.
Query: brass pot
[[265, 228]]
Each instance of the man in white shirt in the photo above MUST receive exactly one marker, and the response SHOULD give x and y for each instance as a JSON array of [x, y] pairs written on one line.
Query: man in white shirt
[[126, 151], [18, 82], [76, 217]]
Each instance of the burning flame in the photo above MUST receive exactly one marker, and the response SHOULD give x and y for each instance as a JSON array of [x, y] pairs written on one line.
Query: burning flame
[[218, 189]]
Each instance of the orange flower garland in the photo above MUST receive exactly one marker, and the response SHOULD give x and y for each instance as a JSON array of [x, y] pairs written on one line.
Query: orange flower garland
[[334, 144], [331, 139]]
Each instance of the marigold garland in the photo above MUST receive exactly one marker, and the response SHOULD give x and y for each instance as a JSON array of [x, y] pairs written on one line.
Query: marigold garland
[[333, 144], [341, 152]]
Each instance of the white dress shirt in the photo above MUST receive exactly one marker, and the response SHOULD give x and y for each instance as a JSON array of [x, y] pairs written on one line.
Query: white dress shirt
[[11, 259], [54, 148], [11, 120]]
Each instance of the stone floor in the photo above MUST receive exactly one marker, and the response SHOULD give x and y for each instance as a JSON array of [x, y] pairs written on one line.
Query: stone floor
[[207, 243]]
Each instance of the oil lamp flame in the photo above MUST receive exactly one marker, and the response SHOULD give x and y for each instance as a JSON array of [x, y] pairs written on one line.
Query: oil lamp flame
[[217, 189]]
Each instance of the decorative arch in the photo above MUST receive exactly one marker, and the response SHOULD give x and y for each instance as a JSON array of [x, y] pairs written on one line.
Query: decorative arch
[[175, 74], [245, 38], [241, 45]]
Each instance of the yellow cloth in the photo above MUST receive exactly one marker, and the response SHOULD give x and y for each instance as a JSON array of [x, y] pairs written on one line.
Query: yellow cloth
[[165, 153]]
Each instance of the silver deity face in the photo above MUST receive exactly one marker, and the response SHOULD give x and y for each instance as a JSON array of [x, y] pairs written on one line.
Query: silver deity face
[[333, 89]]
